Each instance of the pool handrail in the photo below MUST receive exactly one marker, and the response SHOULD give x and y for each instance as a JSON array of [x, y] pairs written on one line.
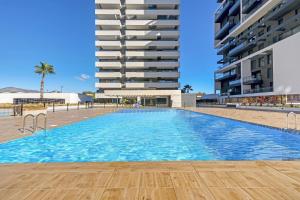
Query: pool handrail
[[33, 122], [288, 121], [45, 121]]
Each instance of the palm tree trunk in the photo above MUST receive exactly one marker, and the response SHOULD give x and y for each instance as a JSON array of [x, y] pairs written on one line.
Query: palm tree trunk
[[42, 87]]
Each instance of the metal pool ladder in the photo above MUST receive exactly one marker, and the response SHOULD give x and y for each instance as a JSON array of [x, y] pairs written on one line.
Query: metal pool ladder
[[45, 121], [35, 121], [288, 120]]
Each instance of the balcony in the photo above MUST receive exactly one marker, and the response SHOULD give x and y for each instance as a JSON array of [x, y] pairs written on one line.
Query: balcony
[[147, 24], [235, 83], [226, 75], [108, 4], [151, 44], [252, 80], [234, 10], [223, 10], [152, 2], [258, 90], [109, 85], [224, 30], [108, 45], [250, 5], [107, 13], [284, 8], [225, 48], [109, 24], [152, 74], [108, 54], [158, 65], [153, 54], [108, 35], [108, 75], [141, 34], [154, 85], [109, 65], [147, 13], [245, 46]]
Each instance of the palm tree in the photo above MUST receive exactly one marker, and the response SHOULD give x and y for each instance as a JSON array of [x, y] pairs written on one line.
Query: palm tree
[[43, 69], [187, 89]]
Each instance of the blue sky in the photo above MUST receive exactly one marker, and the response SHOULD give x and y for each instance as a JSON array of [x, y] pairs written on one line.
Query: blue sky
[[61, 32]]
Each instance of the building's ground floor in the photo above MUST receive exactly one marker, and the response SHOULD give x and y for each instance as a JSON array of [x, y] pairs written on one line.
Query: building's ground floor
[[147, 98], [270, 98]]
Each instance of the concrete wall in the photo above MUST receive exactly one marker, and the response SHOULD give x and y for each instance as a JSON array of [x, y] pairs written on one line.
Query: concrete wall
[[188, 100], [286, 66], [246, 71], [69, 97]]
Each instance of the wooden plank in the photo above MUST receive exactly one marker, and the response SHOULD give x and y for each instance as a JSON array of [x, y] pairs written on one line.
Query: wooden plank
[[186, 193], [157, 193]]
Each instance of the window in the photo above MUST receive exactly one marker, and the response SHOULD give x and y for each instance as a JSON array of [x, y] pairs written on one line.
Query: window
[[253, 63], [261, 46], [269, 73], [268, 28], [152, 7], [161, 17], [261, 62], [280, 21], [161, 101], [269, 59]]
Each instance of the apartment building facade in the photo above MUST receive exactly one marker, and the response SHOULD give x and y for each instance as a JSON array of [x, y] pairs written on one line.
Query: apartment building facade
[[137, 51], [259, 45]]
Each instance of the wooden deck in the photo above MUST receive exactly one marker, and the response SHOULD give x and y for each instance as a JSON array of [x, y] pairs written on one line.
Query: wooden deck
[[151, 181]]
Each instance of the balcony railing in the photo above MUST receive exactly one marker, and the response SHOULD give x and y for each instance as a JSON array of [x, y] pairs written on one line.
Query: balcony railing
[[235, 8], [252, 80], [235, 83], [245, 46], [223, 10], [224, 30], [285, 7], [258, 90], [225, 48], [226, 75], [250, 5]]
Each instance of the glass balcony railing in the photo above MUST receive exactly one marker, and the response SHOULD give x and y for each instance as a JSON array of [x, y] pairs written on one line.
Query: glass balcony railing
[[223, 10], [252, 79], [235, 8], [224, 30], [284, 8], [225, 48], [250, 5], [258, 90], [235, 83], [222, 76], [245, 46]]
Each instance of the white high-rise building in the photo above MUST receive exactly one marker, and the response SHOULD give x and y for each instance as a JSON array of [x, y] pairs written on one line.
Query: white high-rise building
[[137, 51]]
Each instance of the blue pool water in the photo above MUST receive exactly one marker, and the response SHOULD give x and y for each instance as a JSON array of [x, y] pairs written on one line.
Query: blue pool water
[[153, 135]]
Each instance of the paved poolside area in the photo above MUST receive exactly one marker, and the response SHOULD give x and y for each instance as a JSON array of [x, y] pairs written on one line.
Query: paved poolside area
[[11, 127], [274, 119], [152, 181]]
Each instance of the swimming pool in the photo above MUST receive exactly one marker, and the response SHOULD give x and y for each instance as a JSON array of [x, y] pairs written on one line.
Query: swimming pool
[[153, 135]]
